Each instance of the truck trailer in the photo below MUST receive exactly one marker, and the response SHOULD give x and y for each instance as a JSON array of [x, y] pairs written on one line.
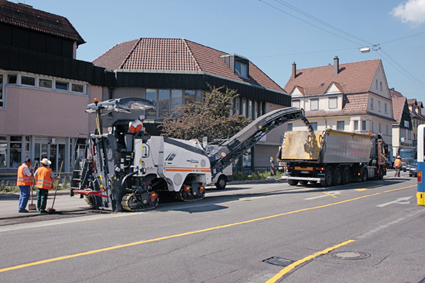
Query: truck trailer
[[332, 157], [128, 172]]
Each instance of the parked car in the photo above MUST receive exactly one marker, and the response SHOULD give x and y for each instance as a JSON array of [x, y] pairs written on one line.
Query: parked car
[[413, 168]]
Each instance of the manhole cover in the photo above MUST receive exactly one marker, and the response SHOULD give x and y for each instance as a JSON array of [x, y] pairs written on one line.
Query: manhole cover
[[350, 255], [280, 261]]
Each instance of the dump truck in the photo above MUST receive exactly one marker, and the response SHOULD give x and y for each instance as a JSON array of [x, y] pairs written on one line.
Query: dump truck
[[128, 172], [332, 157]]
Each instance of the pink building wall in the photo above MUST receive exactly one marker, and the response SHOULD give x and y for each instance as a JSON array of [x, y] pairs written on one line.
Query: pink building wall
[[37, 112]]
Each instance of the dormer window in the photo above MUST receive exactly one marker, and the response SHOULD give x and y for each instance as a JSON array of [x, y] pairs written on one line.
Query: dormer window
[[238, 64], [241, 69]]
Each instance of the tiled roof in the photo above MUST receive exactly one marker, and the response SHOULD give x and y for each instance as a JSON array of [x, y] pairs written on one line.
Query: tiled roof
[[395, 93], [354, 77], [27, 17], [398, 106], [171, 54]]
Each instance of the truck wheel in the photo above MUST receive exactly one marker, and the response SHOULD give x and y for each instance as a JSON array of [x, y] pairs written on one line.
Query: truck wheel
[[346, 175], [303, 183], [364, 175], [381, 173], [337, 176], [293, 182], [221, 183], [328, 177]]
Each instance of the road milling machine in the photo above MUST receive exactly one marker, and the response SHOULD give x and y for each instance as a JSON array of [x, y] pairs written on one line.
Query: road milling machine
[[128, 172]]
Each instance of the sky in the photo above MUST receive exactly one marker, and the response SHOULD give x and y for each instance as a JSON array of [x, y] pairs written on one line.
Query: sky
[[272, 34]]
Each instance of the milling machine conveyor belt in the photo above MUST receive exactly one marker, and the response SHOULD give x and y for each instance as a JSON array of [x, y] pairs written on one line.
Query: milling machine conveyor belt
[[224, 154]]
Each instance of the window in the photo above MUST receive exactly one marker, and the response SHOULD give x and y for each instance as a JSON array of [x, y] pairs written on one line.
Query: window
[[61, 85], [385, 108], [15, 151], [45, 83], [3, 152], [151, 95], [386, 130], [364, 126], [314, 104], [11, 79], [249, 108], [163, 102], [380, 128], [379, 106], [27, 80], [176, 98], [236, 105], [333, 102], [371, 103], [340, 125], [376, 84], [296, 103], [356, 125], [1, 99], [371, 126], [289, 127], [314, 126], [189, 96], [241, 69], [77, 88], [380, 85]]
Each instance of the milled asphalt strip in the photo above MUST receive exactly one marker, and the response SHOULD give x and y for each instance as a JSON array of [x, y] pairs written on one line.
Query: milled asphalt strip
[[192, 232]]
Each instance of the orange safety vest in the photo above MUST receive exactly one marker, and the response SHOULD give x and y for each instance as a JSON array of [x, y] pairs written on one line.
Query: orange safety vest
[[43, 179], [136, 126], [23, 180], [397, 163]]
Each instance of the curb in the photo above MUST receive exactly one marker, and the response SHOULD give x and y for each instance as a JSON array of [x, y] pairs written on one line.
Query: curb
[[16, 195]]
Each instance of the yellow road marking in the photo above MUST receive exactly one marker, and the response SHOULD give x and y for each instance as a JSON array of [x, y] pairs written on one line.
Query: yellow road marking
[[193, 232], [330, 194], [368, 188], [301, 261]]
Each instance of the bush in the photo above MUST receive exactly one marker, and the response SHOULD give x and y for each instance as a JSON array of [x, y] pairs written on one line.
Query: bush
[[6, 188]]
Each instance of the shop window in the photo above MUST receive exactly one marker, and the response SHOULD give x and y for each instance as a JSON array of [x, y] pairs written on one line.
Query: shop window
[[176, 98]]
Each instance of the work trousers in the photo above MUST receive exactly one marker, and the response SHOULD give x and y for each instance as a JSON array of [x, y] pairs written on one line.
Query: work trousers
[[397, 172], [24, 196], [42, 195]]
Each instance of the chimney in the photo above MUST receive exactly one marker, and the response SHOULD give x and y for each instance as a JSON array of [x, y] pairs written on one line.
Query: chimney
[[294, 70], [336, 65]]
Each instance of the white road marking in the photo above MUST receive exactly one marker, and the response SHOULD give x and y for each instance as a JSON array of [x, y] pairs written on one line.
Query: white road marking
[[325, 195], [404, 200]]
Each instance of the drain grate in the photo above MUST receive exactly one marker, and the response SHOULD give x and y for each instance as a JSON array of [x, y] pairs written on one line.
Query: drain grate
[[350, 255], [280, 261]]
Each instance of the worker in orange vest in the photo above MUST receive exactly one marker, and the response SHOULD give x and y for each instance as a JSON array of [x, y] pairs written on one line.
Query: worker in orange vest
[[24, 183], [397, 166], [44, 178], [136, 125]]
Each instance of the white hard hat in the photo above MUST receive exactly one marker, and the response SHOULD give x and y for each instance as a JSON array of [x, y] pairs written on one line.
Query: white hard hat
[[142, 117], [46, 161], [398, 156]]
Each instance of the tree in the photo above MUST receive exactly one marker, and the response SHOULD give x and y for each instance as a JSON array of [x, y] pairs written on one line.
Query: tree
[[210, 119]]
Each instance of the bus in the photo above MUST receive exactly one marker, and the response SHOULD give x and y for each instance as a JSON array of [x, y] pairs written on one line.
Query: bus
[[420, 195]]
